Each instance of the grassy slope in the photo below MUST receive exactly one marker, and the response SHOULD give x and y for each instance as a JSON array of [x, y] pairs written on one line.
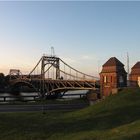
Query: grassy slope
[[115, 118]]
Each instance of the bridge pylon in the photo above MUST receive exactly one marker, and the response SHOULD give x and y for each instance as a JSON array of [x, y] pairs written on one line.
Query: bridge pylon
[[52, 61]]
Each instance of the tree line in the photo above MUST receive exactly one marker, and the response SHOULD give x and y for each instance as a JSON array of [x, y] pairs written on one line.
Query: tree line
[[4, 82]]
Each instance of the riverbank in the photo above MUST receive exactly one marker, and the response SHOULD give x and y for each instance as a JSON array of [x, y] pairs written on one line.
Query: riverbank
[[115, 118]]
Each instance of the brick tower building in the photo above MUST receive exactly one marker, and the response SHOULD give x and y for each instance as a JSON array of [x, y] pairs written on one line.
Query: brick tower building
[[134, 76], [112, 77]]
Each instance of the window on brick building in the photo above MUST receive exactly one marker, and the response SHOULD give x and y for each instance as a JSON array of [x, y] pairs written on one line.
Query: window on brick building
[[121, 81], [139, 81], [111, 79], [105, 79]]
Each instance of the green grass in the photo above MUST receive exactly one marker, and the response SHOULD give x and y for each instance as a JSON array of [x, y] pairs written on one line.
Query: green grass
[[115, 118]]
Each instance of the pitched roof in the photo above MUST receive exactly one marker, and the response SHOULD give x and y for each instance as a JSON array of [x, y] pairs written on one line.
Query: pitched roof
[[137, 65], [113, 61]]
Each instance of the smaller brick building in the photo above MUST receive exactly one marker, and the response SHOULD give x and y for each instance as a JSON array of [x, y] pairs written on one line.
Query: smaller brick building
[[112, 76], [134, 76]]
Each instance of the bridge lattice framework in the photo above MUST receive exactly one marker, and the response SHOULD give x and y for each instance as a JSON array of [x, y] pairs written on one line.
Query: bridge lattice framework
[[51, 75]]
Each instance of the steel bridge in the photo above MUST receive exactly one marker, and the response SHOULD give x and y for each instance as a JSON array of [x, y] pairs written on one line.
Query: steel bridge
[[51, 75]]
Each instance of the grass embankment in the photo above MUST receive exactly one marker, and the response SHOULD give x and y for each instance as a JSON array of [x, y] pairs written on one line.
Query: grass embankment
[[115, 118]]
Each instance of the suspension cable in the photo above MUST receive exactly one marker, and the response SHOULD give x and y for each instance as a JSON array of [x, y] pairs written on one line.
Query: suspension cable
[[35, 66], [78, 71]]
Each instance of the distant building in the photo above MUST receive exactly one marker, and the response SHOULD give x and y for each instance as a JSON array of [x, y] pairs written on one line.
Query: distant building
[[134, 76], [112, 77]]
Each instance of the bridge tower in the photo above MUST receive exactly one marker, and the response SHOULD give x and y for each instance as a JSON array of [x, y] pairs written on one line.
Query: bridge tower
[[53, 62], [112, 77]]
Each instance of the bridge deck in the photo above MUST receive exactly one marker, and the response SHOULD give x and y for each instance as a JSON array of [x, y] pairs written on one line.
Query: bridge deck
[[54, 86]]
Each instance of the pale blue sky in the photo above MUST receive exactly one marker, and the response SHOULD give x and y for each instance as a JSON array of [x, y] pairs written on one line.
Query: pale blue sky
[[84, 34]]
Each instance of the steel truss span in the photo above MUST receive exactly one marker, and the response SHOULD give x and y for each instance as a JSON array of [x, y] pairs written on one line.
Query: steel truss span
[[51, 75]]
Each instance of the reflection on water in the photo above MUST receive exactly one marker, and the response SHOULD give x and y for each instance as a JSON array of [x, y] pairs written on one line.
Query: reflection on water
[[70, 96], [19, 96], [25, 96]]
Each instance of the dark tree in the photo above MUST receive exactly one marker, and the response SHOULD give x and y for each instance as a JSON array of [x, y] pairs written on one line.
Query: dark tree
[[2, 82]]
